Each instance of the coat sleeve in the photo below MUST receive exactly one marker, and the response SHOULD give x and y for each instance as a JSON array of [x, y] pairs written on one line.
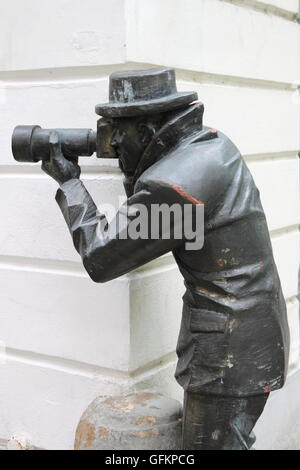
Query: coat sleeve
[[112, 250]]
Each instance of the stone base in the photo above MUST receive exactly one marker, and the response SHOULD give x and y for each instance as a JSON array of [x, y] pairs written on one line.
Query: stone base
[[143, 421]]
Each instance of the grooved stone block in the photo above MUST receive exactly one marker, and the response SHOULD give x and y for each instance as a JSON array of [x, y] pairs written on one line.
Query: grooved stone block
[[62, 33], [45, 401], [278, 183], [286, 248], [65, 316], [35, 227], [213, 36], [246, 115], [155, 315]]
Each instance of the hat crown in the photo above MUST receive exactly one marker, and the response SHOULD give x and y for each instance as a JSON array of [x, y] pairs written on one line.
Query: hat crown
[[140, 92], [142, 85]]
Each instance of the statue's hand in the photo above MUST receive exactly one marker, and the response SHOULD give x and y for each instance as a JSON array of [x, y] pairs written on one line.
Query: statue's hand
[[58, 167]]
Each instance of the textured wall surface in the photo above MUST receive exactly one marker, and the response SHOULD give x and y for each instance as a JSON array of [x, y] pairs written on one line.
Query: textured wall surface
[[69, 340]]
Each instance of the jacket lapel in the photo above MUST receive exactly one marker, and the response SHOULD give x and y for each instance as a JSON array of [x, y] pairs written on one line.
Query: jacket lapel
[[181, 127]]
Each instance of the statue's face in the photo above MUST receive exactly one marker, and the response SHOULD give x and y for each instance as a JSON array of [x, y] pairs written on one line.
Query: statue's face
[[130, 137], [127, 144]]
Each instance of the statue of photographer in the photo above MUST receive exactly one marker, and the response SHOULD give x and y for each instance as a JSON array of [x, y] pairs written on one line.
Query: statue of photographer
[[234, 339]]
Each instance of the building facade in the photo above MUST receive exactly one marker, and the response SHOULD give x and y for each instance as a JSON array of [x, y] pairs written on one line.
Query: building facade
[[67, 340]]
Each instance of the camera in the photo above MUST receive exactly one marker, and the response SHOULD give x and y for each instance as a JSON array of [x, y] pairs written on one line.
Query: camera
[[30, 144]]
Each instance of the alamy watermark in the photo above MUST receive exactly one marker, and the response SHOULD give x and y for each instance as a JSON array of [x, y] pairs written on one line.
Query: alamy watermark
[[157, 222]]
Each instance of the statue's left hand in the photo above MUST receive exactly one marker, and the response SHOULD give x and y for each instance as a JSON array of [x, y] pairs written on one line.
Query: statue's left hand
[[58, 167]]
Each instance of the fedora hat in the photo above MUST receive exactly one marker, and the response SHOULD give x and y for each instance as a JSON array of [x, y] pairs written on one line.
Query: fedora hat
[[139, 92]]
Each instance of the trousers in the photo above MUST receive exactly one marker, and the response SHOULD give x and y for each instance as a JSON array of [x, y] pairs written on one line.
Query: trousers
[[220, 423]]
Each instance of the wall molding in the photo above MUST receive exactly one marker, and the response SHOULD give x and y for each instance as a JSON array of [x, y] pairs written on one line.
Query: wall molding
[[266, 8], [257, 157], [77, 76]]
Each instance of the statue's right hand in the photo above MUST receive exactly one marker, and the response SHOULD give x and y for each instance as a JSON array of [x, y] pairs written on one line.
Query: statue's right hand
[[58, 167]]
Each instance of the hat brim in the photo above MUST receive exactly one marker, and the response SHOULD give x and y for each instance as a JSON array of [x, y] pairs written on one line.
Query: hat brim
[[139, 108]]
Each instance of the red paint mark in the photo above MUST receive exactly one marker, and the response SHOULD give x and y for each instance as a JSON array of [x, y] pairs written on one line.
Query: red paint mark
[[213, 131], [262, 265], [180, 191], [267, 389]]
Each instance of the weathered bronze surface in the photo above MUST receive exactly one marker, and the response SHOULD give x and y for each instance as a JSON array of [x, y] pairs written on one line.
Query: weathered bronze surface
[[233, 345]]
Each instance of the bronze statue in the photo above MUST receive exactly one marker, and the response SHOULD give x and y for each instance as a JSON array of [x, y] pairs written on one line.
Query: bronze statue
[[233, 346]]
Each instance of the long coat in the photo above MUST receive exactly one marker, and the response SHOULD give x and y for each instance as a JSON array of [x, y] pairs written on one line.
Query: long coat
[[234, 337]]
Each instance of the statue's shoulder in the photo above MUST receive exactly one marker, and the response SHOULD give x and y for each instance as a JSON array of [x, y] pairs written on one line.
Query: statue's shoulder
[[202, 167], [204, 154]]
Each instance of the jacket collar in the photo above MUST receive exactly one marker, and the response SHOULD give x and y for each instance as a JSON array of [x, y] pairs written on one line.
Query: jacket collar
[[180, 128]]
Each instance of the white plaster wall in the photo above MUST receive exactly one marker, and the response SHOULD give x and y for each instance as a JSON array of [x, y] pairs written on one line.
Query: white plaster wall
[[292, 5], [69, 340]]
